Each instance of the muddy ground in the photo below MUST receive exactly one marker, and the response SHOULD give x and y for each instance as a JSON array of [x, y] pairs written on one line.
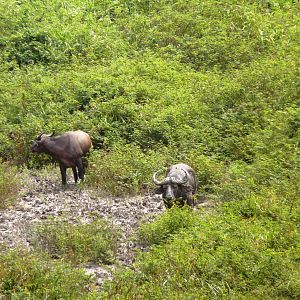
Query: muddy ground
[[43, 196]]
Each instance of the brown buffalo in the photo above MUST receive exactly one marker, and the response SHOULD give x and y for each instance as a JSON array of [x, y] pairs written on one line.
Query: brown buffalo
[[179, 184], [68, 149]]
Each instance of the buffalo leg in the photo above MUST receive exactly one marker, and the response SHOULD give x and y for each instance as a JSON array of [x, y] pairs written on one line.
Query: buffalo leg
[[75, 174], [79, 165], [63, 174], [190, 200]]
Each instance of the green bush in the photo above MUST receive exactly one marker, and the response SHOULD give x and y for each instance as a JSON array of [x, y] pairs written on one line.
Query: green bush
[[204, 34], [124, 170], [10, 184], [212, 84], [94, 242], [25, 275], [33, 40], [232, 254], [167, 225], [210, 172]]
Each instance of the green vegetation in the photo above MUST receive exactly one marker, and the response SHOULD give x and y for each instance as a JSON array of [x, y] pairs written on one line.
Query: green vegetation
[[9, 184], [214, 84], [172, 222], [125, 169], [94, 242], [26, 275], [246, 249]]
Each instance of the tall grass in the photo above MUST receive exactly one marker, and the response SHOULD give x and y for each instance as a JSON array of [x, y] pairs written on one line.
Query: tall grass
[[25, 275], [94, 242], [210, 83], [10, 184], [231, 254]]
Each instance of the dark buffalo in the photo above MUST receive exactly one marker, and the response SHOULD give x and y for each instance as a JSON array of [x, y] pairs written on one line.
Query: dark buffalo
[[68, 149], [179, 184]]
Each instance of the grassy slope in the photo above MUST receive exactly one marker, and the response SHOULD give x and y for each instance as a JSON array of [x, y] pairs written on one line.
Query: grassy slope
[[214, 84]]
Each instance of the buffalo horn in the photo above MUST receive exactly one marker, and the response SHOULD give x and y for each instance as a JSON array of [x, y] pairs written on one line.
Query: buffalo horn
[[39, 137], [157, 182], [51, 135]]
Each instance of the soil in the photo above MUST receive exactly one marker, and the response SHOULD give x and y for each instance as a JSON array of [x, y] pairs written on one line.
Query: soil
[[44, 197]]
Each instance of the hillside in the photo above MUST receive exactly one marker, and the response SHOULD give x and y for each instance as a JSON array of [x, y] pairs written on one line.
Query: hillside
[[214, 84]]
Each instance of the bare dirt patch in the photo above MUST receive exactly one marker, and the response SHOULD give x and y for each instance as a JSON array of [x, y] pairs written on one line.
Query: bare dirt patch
[[44, 197]]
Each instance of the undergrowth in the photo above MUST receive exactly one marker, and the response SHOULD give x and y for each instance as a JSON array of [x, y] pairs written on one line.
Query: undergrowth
[[208, 83], [230, 254], [10, 184], [25, 275], [94, 242]]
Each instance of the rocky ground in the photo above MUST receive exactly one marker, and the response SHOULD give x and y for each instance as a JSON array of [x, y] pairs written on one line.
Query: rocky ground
[[44, 196]]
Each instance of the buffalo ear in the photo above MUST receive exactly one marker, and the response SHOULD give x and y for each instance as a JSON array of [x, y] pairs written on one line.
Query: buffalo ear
[[159, 190]]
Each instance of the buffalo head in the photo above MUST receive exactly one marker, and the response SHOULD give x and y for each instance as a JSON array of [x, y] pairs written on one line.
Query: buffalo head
[[179, 184], [38, 145]]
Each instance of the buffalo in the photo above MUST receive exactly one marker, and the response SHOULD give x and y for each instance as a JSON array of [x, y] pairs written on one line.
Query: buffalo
[[179, 184], [68, 149]]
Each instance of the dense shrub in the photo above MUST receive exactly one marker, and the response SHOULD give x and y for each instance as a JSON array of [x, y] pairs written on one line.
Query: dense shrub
[[80, 32], [164, 227], [123, 170], [213, 84], [248, 249], [204, 34]]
